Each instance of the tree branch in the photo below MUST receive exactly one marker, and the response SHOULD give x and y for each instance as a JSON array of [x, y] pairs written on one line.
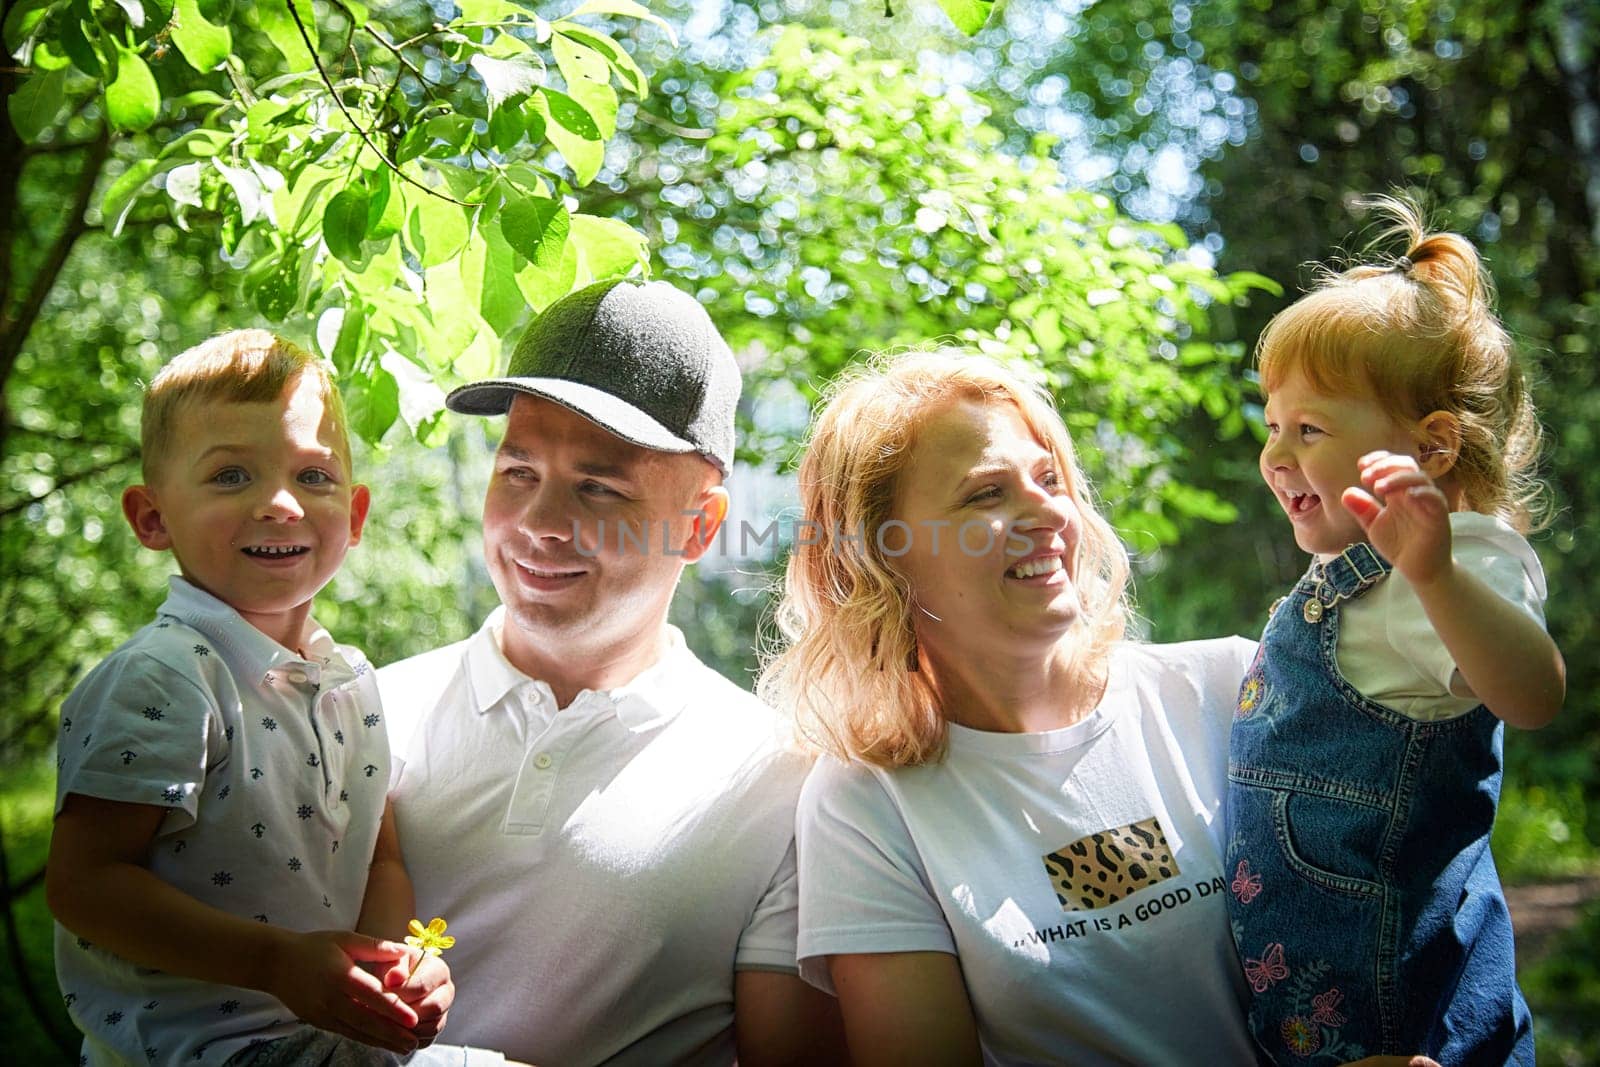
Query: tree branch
[[7, 510], [15, 325], [322, 73]]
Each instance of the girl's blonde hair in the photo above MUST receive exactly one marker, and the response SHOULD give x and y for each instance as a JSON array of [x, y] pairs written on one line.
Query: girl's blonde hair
[[849, 672], [1419, 335]]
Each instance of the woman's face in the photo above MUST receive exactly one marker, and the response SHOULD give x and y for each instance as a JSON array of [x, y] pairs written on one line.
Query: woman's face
[[986, 532]]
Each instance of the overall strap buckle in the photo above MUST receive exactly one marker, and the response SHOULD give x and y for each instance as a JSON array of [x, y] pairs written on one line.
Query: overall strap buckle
[[1349, 574]]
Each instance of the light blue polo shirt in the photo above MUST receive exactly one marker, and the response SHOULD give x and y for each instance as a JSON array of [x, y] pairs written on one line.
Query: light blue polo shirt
[[273, 768]]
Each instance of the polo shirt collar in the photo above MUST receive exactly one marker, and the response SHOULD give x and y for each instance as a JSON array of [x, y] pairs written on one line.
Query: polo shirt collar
[[654, 695], [248, 652]]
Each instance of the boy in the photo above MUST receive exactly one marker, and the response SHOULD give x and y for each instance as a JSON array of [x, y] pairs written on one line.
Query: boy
[[222, 773]]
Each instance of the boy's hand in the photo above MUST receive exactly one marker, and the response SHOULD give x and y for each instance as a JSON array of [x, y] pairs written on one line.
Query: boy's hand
[[319, 977], [429, 992], [1404, 515]]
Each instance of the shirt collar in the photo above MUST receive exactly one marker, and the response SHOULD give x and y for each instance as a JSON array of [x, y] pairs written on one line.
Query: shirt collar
[[248, 652], [654, 695]]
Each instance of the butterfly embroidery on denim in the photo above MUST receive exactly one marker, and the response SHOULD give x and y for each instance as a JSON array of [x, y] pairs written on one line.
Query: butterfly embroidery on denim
[[1269, 968], [1245, 884], [1324, 1008]]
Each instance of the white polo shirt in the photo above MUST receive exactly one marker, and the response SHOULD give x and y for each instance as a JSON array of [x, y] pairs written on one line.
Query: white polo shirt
[[273, 768], [606, 866]]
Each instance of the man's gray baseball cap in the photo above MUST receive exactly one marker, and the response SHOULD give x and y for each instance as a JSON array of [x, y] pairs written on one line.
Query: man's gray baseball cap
[[641, 359]]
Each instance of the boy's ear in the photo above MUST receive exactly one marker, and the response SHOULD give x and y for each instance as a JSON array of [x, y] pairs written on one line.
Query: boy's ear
[[710, 509], [360, 501], [1438, 443], [139, 507]]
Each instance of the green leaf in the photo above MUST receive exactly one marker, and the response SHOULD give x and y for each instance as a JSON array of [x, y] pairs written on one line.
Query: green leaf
[[36, 103], [968, 15], [543, 287], [372, 404], [491, 11], [200, 143], [574, 133], [21, 20], [344, 222], [197, 98], [75, 40], [386, 213], [508, 80], [588, 78], [537, 227], [285, 36], [507, 126], [625, 65], [436, 229], [204, 44], [488, 269], [623, 7], [420, 400], [609, 247], [351, 341], [278, 291], [119, 197], [132, 100]]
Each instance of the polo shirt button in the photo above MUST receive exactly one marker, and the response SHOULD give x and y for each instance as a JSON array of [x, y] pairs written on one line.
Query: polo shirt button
[[297, 677], [542, 760]]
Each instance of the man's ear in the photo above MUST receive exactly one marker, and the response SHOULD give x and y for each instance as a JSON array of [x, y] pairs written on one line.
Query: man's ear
[[710, 509], [360, 501], [1438, 443], [139, 507]]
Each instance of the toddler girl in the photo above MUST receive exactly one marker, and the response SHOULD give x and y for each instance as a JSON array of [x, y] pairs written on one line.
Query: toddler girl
[[1366, 751]]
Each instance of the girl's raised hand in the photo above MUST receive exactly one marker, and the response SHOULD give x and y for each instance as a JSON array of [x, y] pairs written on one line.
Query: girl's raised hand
[[1404, 515]]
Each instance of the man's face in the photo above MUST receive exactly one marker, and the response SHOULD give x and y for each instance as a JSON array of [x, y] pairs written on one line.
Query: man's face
[[585, 534]]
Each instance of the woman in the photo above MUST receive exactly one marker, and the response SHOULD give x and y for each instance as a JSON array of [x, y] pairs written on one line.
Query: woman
[[1013, 848]]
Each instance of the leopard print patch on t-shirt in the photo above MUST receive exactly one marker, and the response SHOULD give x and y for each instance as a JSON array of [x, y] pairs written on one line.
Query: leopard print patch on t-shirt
[[1102, 868]]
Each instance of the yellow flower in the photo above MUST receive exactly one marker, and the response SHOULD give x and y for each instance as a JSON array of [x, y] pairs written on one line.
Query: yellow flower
[[428, 940]]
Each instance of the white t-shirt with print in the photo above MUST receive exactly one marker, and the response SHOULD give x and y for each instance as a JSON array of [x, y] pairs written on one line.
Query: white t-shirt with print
[[273, 768], [996, 854], [1390, 652]]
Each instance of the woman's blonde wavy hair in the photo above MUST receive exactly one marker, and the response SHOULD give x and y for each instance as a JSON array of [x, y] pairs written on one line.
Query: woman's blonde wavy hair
[[849, 671], [1419, 334]]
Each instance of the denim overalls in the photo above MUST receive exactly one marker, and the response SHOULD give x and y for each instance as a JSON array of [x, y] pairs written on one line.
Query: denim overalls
[[1364, 902]]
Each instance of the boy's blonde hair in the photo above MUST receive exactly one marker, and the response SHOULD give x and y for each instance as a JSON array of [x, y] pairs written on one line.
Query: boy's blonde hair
[[847, 673], [242, 367], [1419, 335]]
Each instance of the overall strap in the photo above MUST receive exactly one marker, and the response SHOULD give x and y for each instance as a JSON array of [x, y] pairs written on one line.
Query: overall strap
[[1349, 574]]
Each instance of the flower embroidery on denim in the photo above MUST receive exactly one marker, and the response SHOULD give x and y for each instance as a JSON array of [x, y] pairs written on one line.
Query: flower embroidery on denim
[[1250, 694], [1302, 1037], [1268, 969], [1246, 884]]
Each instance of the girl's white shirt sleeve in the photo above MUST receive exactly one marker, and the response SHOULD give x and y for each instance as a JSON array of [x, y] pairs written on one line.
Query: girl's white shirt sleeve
[[1390, 651]]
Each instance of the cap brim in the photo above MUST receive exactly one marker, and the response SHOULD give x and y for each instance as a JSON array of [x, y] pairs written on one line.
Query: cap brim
[[494, 395]]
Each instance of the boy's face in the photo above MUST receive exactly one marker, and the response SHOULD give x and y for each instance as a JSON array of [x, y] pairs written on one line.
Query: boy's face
[[256, 502], [1314, 441]]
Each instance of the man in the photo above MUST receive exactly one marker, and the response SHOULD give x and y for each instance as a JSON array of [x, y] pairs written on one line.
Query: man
[[606, 823]]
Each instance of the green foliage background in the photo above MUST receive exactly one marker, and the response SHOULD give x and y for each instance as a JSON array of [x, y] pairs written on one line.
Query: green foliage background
[[1116, 195]]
